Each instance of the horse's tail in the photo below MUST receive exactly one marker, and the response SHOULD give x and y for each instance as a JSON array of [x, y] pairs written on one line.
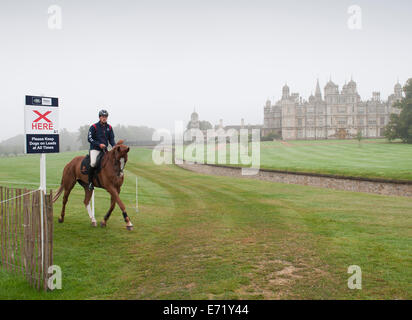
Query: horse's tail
[[58, 193], [67, 175]]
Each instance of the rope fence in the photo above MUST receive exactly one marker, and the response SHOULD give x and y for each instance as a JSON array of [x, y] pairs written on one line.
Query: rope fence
[[27, 183]]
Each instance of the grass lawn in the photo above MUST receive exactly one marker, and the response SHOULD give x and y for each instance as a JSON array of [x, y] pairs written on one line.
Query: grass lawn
[[208, 237], [373, 158]]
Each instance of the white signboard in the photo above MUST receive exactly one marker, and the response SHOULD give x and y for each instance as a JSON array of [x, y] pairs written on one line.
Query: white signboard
[[41, 116]]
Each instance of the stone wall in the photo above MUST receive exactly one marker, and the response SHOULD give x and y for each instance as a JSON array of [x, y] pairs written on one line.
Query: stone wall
[[378, 186]]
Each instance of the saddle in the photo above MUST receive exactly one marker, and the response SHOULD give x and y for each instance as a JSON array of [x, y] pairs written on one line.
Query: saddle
[[85, 165]]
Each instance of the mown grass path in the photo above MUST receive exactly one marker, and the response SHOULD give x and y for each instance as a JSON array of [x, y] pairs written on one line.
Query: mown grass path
[[207, 237]]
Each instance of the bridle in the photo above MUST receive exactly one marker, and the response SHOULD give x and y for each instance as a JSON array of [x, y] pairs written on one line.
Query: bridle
[[119, 165]]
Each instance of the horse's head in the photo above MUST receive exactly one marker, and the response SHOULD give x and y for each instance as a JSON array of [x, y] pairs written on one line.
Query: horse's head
[[120, 153]]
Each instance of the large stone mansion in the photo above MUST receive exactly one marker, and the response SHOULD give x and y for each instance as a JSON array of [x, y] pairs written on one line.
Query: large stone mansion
[[337, 115]]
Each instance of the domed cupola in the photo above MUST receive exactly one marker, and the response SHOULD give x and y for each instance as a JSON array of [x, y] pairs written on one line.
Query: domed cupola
[[285, 92], [194, 120], [398, 90], [311, 98], [331, 88], [345, 88], [194, 116], [352, 86], [330, 85]]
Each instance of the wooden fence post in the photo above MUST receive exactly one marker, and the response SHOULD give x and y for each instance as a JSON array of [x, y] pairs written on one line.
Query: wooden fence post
[[1, 226], [24, 248]]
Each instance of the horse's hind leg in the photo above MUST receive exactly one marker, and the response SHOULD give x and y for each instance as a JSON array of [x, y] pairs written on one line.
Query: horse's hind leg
[[67, 189], [87, 196]]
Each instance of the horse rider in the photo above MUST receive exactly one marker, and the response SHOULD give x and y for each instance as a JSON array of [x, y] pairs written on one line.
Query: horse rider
[[100, 135]]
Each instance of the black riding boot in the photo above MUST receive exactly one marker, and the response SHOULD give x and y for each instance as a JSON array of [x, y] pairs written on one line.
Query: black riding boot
[[91, 174]]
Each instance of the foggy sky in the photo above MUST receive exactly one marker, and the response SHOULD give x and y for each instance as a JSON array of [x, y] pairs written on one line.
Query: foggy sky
[[151, 62]]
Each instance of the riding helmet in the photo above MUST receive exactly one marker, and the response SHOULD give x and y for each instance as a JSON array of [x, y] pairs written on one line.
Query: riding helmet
[[103, 113]]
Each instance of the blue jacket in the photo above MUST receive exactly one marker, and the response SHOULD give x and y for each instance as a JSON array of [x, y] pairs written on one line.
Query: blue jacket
[[98, 134]]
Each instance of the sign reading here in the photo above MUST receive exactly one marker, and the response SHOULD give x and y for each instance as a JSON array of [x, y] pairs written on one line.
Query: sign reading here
[[41, 124]]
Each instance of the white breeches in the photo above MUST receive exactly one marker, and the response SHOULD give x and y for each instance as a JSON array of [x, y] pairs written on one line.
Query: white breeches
[[93, 157]]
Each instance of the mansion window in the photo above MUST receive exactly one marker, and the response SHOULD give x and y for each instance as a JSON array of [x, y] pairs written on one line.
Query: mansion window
[[372, 121], [342, 121], [341, 109], [361, 110], [382, 120]]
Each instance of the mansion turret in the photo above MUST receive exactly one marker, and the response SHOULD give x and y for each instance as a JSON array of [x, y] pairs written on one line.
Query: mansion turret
[[339, 114]]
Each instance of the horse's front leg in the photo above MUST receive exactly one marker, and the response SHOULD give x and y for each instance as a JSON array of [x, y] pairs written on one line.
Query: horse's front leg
[[109, 212], [114, 193]]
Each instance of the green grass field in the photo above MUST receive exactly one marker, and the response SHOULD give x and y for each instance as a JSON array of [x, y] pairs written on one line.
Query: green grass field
[[209, 237], [371, 158]]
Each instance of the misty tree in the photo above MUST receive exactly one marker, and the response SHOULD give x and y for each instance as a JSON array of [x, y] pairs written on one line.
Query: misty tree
[[359, 136], [400, 125], [68, 140], [133, 133], [271, 136], [205, 125], [82, 137], [127, 133]]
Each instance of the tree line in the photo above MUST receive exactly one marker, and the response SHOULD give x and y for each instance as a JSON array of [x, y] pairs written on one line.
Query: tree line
[[74, 141]]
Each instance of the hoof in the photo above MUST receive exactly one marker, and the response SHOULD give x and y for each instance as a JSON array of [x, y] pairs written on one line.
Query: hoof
[[94, 224], [103, 224], [61, 220], [130, 228]]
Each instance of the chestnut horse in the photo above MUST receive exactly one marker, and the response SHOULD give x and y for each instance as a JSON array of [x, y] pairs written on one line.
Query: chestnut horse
[[110, 178]]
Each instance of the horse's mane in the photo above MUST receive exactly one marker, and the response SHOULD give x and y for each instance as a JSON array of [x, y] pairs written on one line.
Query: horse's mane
[[110, 154]]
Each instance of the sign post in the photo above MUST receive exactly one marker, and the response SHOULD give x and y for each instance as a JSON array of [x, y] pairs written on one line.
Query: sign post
[[41, 128], [43, 172]]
